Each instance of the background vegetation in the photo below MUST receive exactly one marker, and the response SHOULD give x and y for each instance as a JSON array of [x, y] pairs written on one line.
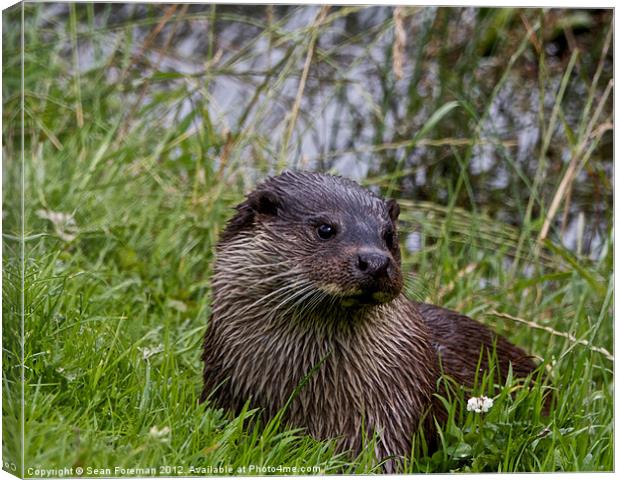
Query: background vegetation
[[145, 124]]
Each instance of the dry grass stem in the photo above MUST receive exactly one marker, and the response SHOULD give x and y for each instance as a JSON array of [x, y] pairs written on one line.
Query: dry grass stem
[[577, 162], [552, 331], [400, 42], [302, 82]]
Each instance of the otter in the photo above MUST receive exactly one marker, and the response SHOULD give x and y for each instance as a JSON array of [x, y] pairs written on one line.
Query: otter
[[308, 313]]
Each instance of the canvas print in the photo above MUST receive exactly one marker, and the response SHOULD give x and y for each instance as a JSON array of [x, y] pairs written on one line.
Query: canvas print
[[306, 239]]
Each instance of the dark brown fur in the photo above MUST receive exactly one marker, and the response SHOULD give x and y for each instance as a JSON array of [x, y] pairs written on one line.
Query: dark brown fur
[[290, 307]]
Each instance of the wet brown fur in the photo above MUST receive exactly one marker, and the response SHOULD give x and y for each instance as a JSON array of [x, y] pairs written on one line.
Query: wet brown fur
[[278, 320]]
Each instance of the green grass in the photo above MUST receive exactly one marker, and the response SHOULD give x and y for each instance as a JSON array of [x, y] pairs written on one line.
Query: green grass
[[117, 300]]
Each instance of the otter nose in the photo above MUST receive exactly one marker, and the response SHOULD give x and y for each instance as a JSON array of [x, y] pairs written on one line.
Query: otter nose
[[374, 264]]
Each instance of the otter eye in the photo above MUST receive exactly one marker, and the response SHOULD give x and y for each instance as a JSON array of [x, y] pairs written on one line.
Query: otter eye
[[326, 231]]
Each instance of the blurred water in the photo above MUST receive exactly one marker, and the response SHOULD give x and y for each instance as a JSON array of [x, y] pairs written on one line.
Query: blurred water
[[352, 101]]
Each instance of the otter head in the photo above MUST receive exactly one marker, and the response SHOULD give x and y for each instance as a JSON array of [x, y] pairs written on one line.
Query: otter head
[[338, 240]]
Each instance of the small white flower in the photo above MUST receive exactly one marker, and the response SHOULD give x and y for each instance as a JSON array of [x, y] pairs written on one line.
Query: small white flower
[[64, 223], [479, 404], [177, 305], [148, 352], [161, 435]]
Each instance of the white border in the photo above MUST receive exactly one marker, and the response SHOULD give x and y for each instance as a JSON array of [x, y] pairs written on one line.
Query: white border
[[482, 3]]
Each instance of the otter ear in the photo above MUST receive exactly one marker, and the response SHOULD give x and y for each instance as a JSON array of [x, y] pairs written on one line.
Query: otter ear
[[393, 209], [257, 202], [264, 202]]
